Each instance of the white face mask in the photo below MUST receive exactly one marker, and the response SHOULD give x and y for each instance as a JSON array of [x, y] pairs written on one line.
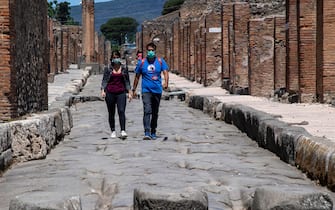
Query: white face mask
[[116, 60]]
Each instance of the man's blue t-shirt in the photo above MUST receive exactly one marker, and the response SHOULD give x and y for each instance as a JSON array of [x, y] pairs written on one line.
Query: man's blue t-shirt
[[151, 75]]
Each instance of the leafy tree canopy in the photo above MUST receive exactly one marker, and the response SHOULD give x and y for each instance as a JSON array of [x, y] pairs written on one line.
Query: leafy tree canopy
[[61, 12], [171, 6], [118, 29]]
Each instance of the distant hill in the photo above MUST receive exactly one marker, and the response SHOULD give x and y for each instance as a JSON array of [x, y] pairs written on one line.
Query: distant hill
[[140, 10]]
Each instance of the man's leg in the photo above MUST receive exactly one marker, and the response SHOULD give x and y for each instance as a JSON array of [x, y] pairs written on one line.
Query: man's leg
[[146, 98], [155, 101]]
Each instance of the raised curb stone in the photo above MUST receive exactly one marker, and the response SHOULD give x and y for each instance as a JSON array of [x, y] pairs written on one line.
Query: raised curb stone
[[147, 199], [290, 199], [293, 144], [45, 201]]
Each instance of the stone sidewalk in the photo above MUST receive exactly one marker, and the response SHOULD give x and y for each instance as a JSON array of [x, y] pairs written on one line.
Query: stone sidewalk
[[300, 134]]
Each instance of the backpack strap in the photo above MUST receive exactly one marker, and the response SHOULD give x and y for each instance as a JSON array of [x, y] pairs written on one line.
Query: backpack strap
[[160, 61], [142, 62], [158, 58]]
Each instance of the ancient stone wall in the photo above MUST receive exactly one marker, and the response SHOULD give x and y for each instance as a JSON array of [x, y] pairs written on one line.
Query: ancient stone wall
[[65, 47], [227, 18], [88, 31], [24, 55], [261, 47], [239, 72], [8, 96], [213, 49], [291, 59], [280, 52], [326, 15]]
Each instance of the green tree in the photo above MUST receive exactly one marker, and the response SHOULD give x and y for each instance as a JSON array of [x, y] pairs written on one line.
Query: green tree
[[61, 12], [117, 29], [52, 8], [171, 5]]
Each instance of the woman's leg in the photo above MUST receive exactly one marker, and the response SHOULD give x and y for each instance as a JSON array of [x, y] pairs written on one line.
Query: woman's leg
[[110, 101], [121, 109]]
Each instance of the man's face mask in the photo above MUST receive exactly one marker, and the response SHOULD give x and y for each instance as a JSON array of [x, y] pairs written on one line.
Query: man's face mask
[[116, 60], [151, 54]]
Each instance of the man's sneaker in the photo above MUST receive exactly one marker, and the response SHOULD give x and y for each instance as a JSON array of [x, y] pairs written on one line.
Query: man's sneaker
[[146, 136], [153, 136], [123, 134], [113, 135]]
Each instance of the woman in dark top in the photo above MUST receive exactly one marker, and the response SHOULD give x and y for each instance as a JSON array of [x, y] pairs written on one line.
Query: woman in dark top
[[115, 86]]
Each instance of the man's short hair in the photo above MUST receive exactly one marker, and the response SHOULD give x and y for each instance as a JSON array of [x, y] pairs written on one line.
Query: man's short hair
[[151, 44]]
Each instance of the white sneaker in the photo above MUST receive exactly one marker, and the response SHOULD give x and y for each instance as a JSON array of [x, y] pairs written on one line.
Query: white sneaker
[[123, 134], [113, 135]]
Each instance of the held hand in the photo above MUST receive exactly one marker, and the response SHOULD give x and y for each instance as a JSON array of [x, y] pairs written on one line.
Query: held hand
[[165, 86], [103, 94], [130, 96], [134, 95]]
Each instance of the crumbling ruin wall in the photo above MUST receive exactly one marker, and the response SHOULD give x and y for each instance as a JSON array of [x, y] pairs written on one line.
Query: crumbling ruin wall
[[24, 57]]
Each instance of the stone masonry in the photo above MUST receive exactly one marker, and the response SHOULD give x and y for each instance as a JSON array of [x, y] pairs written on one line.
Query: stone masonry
[[88, 31], [24, 58], [297, 37], [33, 49]]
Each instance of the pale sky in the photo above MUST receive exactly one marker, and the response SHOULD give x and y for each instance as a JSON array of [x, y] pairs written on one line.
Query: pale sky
[[77, 2]]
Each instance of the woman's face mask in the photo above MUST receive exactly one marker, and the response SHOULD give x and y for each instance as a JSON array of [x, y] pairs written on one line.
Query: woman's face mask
[[151, 54], [116, 60]]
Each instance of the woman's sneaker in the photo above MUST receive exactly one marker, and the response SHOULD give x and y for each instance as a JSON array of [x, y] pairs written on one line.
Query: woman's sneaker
[[153, 136], [123, 134], [113, 135]]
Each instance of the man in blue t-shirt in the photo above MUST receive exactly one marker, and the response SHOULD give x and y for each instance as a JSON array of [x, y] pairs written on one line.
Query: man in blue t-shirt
[[151, 69]]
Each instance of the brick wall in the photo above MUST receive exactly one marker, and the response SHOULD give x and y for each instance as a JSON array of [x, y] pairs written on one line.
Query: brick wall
[[292, 45], [52, 50], [261, 66], [227, 18], [202, 51], [241, 15], [213, 49], [328, 18], [197, 63], [74, 45], [64, 46], [24, 57], [8, 95], [184, 51], [192, 42], [175, 46], [307, 50], [88, 31], [280, 52], [294, 52]]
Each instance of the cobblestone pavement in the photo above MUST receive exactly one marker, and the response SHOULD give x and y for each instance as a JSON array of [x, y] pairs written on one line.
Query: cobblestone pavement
[[193, 151]]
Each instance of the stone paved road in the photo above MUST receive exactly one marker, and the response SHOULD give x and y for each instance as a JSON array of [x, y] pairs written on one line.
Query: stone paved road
[[199, 153]]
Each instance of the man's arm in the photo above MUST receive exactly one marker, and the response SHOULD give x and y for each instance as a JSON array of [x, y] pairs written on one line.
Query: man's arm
[[166, 79]]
